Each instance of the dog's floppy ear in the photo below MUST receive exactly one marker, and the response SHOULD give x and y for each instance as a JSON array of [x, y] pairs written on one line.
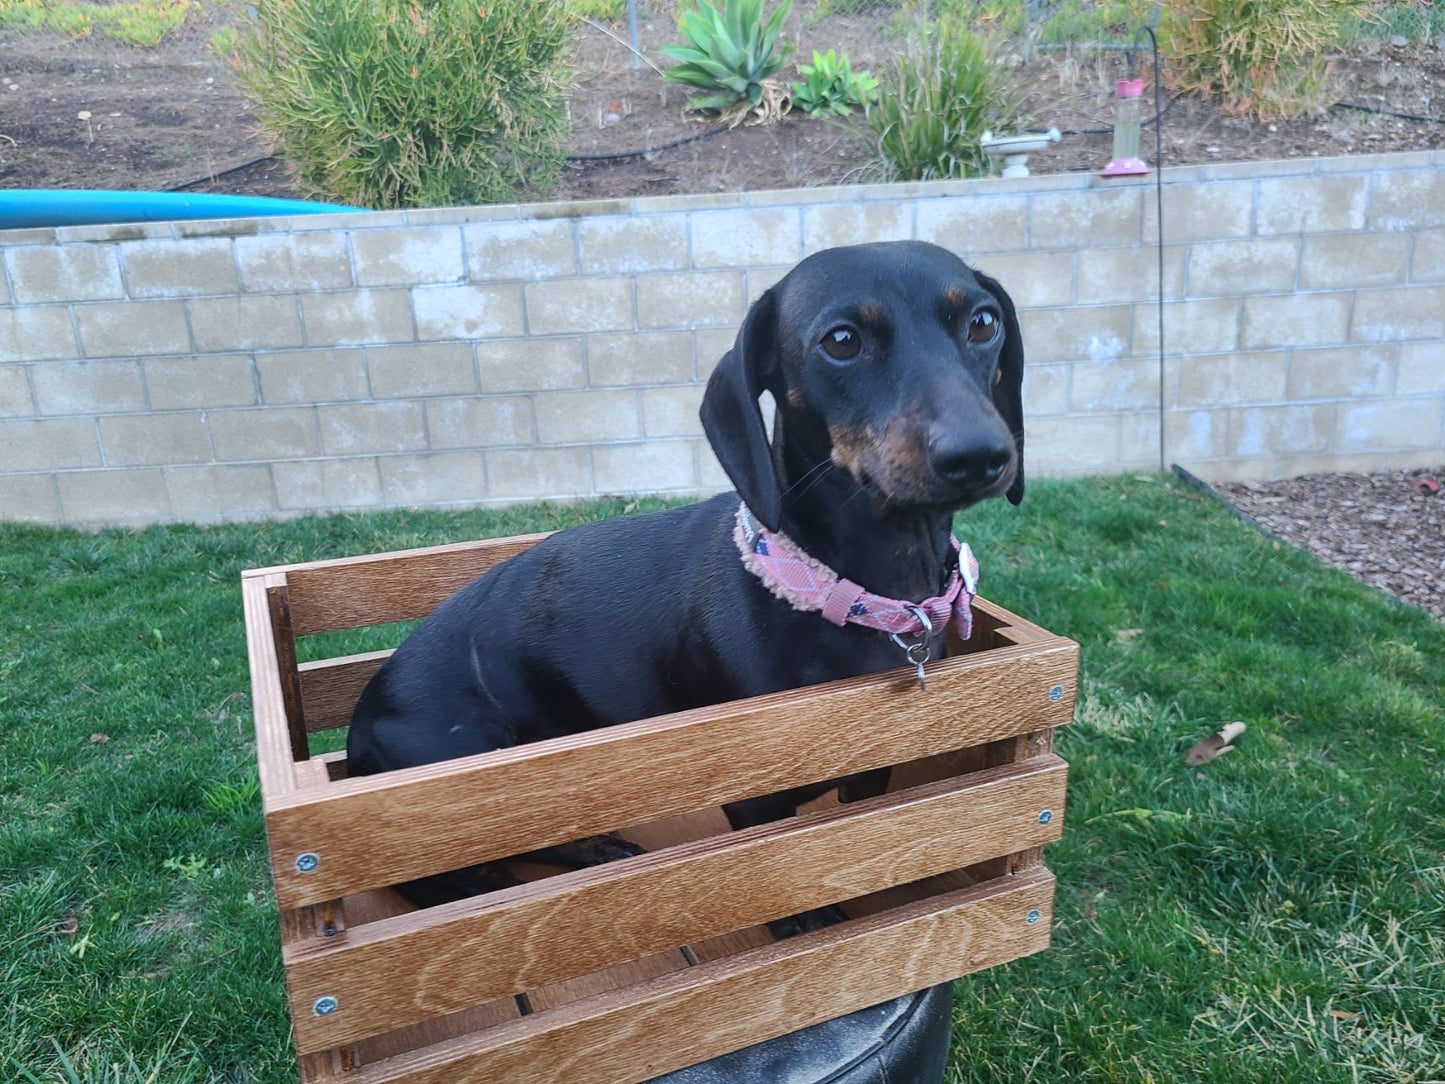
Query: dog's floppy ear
[[732, 419], [1008, 393]]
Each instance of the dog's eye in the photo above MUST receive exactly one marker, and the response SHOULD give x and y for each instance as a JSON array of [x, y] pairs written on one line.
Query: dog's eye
[[982, 327], [842, 344]]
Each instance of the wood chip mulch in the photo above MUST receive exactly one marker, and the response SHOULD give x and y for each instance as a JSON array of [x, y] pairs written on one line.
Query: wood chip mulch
[[1386, 529]]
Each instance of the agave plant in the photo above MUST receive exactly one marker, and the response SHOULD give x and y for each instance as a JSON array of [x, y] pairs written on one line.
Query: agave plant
[[830, 85], [730, 52]]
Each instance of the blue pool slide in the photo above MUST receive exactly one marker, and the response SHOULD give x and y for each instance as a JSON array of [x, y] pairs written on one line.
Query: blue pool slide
[[26, 207]]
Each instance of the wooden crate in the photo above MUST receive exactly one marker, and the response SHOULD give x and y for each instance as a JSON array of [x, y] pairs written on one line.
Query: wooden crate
[[622, 972]]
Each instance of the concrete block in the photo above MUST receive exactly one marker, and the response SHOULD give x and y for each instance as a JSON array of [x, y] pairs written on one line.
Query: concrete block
[[245, 322], [1033, 279], [753, 237], [536, 473], [467, 312], [1342, 372], [211, 380], [433, 478], [711, 477], [657, 357], [1221, 380], [529, 250], [1421, 369], [327, 484], [1046, 389], [1294, 320], [291, 262], [37, 333], [531, 364], [1291, 429], [1200, 212], [1292, 466], [570, 306], [1125, 273], [191, 268], [1405, 312], [651, 467], [41, 444], [1314, 204], [313, 376], [1241, 268], [414, 256], [88, 387], [65, 273], [214, 492], [1236, 470], [364, 428], [15, 398], [690, 300], [1193, 326], [1139, 441], [1407, 199], [358, 317], [1115, 386], [629, 244], [1419, 459], [105, 497], [153, 440], [832, 224], [759, 280], [574, 417], [1388, 424], [710, 344], [969, 226], [128, 328], [1072, 445], [1078, 333], [1098, 216], [1191, 435], [264, 434], [417, 370], [1427, 261], [29, 498], [480, 422], [1344, 260], [672, 412]]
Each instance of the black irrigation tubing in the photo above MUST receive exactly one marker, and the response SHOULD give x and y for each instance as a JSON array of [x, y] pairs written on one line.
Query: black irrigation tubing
[[1107, 128], [1388, 113], [203, 178]]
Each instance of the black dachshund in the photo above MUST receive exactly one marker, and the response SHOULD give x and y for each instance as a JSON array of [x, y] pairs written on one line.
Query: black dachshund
[[896, 372]]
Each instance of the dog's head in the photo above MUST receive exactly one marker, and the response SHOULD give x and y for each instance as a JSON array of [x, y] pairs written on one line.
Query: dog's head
[[895, 361]]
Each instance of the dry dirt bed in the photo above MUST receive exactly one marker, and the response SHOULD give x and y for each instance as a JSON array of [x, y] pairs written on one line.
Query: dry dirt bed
[[165, 116], [1385, 529]]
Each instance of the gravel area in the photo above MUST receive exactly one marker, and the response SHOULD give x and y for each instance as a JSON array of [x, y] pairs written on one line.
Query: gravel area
[[1386, 529]]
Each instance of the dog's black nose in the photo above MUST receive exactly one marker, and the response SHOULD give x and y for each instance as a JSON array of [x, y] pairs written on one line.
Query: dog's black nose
[[974, 464]]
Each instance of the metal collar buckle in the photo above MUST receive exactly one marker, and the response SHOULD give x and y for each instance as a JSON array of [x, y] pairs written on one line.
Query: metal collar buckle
[[917, 652]]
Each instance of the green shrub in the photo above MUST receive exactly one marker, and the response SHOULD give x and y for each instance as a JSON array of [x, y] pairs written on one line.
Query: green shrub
[[944, 92], [1263, 59], [831, 86], [412, 103], [729, 53]]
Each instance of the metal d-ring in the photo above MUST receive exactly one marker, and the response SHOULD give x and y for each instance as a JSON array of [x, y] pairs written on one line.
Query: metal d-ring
[[917, 652]]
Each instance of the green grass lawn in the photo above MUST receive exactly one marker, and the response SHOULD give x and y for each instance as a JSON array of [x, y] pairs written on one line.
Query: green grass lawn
[[1277, 916]]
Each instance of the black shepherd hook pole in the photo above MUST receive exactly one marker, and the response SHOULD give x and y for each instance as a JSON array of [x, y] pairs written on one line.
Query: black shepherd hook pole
[[1147, 28]]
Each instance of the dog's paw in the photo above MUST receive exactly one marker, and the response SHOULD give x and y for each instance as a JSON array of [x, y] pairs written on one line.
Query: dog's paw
[[816, 919]]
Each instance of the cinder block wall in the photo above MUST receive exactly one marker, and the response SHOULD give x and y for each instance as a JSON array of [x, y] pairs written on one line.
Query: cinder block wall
[[265, 367]]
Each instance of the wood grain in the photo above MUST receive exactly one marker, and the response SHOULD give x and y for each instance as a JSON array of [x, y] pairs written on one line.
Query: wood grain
[[396, 826], [634, 1034], [268, 704], [405, 969], [330, 688]]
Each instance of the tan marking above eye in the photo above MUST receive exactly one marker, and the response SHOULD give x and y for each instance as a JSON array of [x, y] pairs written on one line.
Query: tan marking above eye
[[956, 296], [870, 312]]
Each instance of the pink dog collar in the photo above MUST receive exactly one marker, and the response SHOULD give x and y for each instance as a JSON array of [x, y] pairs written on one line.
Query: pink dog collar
[[807, 584]]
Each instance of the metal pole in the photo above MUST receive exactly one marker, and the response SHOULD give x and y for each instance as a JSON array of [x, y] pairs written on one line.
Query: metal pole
[[632, 33]]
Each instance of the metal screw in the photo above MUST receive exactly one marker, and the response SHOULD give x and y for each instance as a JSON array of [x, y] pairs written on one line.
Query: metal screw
[[1033, 916], [1045, 815], [324, 1006], [1056, 693], [307, 862]]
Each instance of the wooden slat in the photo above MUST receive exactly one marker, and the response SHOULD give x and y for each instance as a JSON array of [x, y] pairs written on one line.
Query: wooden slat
[[405, 969], [351, 592], [268, 704], [285, 641], [634, 1034], [396, 826], [331, 687]]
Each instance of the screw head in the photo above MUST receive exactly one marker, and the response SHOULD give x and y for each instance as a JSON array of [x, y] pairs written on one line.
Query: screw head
[[307, 862], [1032, 917], [324, 1006], [1056, 693], [1045, 815]]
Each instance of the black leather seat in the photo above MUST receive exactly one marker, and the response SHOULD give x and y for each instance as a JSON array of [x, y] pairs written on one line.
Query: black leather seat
[[903, 1041]]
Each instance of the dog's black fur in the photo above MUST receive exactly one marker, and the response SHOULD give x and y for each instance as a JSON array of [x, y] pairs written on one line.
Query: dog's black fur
[[872, 452]]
